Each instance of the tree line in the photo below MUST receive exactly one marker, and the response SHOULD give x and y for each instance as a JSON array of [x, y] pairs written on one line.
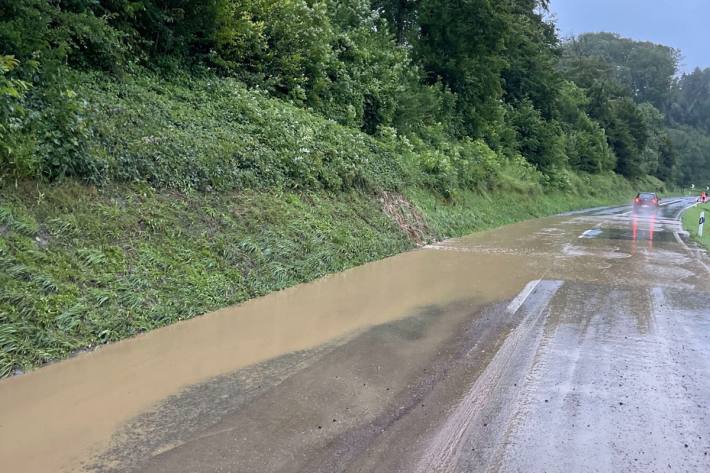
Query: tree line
[[433, 70]]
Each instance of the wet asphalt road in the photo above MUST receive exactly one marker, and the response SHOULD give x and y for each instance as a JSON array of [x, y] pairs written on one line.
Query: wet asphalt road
[[578, 343]]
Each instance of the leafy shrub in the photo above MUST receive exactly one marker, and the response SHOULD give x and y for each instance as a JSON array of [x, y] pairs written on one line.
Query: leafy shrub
[[449, 166], [63, 134], [539, 140], [60, 32], [13, 117], [215, 134], [283, 46], [335, 57], [587, 148], [585, 141], [45, 132], [211, 133]]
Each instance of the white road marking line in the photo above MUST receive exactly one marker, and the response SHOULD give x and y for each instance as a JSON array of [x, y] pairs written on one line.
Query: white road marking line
[[671, 202], [681, 211], [520, 299], [444, 448]]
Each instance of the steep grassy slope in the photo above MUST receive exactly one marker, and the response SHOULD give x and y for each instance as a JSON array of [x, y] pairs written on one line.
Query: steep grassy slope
[[82, 266], [205, 194]]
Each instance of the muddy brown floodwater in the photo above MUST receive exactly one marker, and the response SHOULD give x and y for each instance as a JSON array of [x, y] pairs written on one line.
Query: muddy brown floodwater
[[60, 415], [573, 343]]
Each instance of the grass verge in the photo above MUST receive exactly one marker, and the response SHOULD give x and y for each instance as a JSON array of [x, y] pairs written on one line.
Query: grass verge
[[209, 194], [691, 218], [82, 267]]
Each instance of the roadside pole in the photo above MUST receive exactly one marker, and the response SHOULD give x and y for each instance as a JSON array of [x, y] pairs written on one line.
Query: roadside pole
[[701, 224]]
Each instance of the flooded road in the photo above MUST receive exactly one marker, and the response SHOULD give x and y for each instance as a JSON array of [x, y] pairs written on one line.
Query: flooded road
[[575, 343]]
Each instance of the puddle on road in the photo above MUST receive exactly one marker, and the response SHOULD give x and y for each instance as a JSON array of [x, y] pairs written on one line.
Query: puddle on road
[[630, 234], [59, 417]]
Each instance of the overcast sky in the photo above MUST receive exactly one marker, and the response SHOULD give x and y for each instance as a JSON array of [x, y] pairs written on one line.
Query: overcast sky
[[682, 24]]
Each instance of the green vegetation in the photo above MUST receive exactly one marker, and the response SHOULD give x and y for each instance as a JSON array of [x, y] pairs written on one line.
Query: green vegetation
[[656, 119], [159, 159], [432, 73], [475, 211], [83, 266], [691, 217]]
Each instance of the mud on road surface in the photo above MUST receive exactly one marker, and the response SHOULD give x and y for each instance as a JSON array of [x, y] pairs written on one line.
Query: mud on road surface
[[570, 344]]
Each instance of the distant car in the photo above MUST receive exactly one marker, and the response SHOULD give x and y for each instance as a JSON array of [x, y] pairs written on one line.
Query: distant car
[[646, 200]]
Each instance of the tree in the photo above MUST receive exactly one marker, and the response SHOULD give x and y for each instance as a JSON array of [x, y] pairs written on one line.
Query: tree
[[539, 140], [532, 53], [667, 160], [645, 70], [586, 143], [463, 44], [628, 136], [691, 100], [401, 16], [60, 32], [368, 71]]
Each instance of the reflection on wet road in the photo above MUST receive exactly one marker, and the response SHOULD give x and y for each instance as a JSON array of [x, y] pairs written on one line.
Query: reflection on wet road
[[569, 344]]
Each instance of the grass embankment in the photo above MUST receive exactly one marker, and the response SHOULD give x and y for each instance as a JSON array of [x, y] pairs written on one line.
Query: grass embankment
[[474, 211], [83, 267], [208, 195], [691, 217]]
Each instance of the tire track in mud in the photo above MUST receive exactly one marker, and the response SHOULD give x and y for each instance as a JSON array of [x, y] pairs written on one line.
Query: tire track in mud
[[491, 392], [567, 419], [619, 384]]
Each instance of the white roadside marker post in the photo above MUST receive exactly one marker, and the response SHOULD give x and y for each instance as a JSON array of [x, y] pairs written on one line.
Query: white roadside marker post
[[701, 224]]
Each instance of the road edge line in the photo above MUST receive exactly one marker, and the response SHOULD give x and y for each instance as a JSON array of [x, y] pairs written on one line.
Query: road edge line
[[520, 299], [694, 253]]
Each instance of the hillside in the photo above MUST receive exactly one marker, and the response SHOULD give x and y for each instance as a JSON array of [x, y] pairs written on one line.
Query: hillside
[[162, 159], [85, 264]]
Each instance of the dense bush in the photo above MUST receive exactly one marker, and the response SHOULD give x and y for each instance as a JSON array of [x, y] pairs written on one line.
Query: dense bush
[[200, 134], [59, 32], [585, 141], [283, 46], [449, 167], [215, 134], [12, 112], [483, 78], [539, 140]]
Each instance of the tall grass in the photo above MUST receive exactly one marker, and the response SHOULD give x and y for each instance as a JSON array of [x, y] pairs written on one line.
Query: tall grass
[[206, 194], [82, 267], [691, 218]]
